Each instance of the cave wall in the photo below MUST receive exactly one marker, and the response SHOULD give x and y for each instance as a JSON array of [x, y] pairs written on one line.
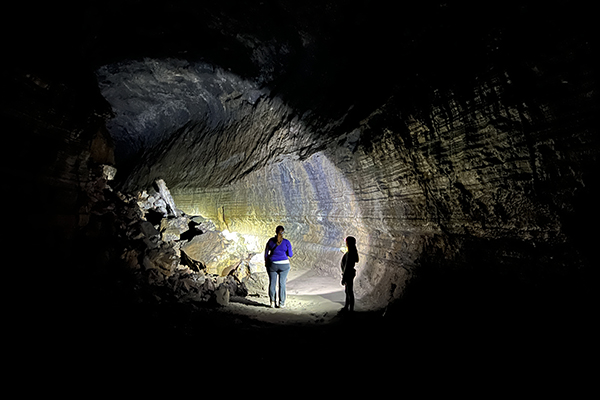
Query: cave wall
[[443, 141], [486, 169], [489, 183], [59, 144]]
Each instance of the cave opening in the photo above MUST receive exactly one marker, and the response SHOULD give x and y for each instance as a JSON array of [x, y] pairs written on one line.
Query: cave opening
[[464, 164]]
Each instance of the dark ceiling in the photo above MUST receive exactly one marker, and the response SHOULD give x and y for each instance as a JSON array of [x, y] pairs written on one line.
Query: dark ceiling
[[320, 55]]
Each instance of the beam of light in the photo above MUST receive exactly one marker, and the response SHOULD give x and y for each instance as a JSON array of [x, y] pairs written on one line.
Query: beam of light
[[233, 236]]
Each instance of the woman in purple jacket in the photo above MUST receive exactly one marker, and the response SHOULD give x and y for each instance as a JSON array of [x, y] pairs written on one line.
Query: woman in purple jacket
[[277, 253]]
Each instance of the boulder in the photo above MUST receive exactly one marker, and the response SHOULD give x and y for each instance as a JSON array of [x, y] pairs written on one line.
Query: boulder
[[235, 286], [257, 283], [148, 229], [130, 258], [257, 263], [144, 201], [214, 251], [172, 228], [165, 194], [203, 224], [108, 172], [189, 262], [222, 295], [158, 199], [162, 259], [149, 235]]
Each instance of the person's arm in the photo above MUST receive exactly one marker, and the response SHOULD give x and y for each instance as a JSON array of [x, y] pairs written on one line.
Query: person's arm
[[289, 252], [267, 251], [343, 265], [349, 271]]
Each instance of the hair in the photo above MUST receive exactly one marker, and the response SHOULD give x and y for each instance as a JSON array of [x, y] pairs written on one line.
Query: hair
[[279, 232], [351, 243]]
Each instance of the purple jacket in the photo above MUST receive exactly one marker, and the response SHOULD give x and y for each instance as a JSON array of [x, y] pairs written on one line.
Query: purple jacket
[[278, 253]]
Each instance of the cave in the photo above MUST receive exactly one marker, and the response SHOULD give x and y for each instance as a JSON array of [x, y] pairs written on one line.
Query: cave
[[457, 143]]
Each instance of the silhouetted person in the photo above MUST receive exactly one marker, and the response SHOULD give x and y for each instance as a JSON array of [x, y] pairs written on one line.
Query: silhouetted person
[[277, 253], [348, 272]]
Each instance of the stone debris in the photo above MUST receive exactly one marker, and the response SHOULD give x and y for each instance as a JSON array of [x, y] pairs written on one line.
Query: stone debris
[[172, 256], [203, 224], [171, 229], [166, 196], [108, 172], [215, 251]]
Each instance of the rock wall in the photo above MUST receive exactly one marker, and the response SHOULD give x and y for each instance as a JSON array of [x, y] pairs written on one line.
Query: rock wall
[[59, 146], [491, 184], [463, 141]]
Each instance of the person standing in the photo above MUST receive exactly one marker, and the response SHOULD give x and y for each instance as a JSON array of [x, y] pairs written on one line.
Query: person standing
[[349, 260], [277, 253]]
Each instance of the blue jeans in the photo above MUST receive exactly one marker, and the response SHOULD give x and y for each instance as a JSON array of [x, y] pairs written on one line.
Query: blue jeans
[[281, 271]]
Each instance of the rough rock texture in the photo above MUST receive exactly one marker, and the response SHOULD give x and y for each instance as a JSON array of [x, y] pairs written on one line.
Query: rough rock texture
[[487, 183], [483, 164], [217, 254], [456, 143], [173, 106], [55, 166], [492, 180]]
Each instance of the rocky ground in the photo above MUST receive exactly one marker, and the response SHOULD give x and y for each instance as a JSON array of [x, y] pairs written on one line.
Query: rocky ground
[[311, 299], [170, 257], [170, 306]]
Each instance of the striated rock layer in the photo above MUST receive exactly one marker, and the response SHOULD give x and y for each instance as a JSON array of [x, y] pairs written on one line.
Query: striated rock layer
[[456, 142], [491, 183]]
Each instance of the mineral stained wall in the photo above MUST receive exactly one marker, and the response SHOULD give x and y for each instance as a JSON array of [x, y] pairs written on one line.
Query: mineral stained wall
[[490, 181], [446, 138]]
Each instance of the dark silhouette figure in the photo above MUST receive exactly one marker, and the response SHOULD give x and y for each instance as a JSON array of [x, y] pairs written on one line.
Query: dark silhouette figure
[[349, 260], [277, 253]]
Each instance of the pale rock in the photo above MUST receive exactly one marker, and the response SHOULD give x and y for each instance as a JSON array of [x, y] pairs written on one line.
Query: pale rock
[[108, 172], [203, 224], [212, 250], [257, 263], [257, 284], [222, 296], [172, 228], [167, 198]]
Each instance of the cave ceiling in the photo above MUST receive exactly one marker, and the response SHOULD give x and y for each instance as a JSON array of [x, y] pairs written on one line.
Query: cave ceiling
[[328, 61]]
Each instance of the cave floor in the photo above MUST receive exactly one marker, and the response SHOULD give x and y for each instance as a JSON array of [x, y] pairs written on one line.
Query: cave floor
[[311, 299], [248, 334]]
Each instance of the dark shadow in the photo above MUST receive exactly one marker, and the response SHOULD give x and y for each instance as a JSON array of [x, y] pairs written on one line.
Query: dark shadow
[[154, 217], [335, 297], [191, 232], [247, 301]]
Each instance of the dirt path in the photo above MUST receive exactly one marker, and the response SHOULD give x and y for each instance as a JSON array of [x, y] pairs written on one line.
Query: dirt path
[[311, 299]]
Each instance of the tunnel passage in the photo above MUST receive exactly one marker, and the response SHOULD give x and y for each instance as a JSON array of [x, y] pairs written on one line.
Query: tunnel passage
[[460, 151], [415, 192], [238, 156]]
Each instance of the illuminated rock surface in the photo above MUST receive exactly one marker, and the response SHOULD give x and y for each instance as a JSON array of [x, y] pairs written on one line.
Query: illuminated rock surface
[[484, 174], [458, 145]]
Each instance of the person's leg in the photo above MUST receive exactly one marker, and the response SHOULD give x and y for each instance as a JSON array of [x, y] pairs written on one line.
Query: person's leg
[[283, 273], [347, 303], [272, 283], [350, 294]]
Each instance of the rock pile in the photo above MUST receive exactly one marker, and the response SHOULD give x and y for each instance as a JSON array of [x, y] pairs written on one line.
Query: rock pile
[[170, 255]]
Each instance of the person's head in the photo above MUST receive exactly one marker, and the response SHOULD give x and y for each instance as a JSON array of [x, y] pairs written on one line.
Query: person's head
[[351, 245], [350, 241], [279, 232]]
